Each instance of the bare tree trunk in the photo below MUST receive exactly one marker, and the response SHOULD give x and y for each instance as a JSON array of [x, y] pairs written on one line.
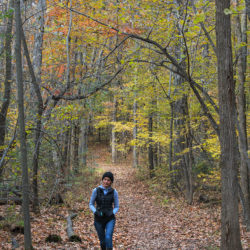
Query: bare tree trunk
[[38, 46], [37, 64], [38, 131], [150, 146], [135, 151], [230, 230], [170, 157], [113, 134], [241, 30], [8, 79], [76, 133], [84, 140], [69, 147], [189, 164], [248, 8], [65, 150], [23, 148], [183, 161]]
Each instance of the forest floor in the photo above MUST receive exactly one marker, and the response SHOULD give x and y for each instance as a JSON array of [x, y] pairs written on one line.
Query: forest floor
[[143, 222]]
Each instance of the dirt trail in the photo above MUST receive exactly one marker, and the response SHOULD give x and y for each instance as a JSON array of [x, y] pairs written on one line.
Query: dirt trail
[[142, 224]]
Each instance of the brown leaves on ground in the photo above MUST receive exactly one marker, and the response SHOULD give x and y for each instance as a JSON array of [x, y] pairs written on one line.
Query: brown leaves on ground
[[142, 223]]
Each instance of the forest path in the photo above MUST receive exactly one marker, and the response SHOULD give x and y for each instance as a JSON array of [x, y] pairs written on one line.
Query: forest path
[[143, 224]]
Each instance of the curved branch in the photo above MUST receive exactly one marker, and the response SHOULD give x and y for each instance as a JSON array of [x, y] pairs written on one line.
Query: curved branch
[[79, 97]]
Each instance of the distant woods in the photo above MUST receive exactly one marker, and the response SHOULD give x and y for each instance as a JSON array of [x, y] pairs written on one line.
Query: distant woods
[[162, 83]]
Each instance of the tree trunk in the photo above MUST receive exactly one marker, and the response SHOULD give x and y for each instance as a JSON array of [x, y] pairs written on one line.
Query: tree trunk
[[38, 132], [135, 152], [65, 150], [183, 140], [183, 160], [170, 157], [84, 140], [23, 148], [8, 79], [113, 134], [230, 230], [38, 45], [69, 146], [150, 146], [241, 105], [37, 64], [248, 8], [76, 147]]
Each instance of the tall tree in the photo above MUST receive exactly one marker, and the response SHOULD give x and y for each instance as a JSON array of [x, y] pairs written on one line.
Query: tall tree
[[8, 78], [36, 79], [113, 132], [230, 231], [135, 131], [22, 133], [241, 29]]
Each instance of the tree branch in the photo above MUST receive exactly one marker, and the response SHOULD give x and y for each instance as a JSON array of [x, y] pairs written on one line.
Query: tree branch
[[79, 97]]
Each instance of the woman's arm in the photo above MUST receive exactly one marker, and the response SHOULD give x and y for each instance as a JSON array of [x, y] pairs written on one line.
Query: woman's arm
[[116, 202], [92, 201]]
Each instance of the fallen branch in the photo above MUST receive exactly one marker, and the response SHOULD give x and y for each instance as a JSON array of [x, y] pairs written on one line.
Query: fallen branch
[[70, 232]]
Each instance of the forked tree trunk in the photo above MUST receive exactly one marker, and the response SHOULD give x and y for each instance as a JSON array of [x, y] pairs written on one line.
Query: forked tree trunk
[[230, 230]]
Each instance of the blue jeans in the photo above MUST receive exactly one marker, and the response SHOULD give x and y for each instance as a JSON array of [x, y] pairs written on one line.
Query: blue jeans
[[105, 232]]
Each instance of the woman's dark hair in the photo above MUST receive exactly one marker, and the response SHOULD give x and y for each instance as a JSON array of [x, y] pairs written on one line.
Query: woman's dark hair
[[109, 175]]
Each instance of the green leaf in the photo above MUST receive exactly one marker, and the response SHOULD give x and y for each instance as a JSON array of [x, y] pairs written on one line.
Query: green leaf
[[228, 11]]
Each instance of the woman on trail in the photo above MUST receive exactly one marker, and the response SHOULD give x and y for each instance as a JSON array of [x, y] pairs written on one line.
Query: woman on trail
[[107, 205]]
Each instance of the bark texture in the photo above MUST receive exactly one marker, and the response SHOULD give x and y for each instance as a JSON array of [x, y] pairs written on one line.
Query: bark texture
[[241, 28], [230, 231]]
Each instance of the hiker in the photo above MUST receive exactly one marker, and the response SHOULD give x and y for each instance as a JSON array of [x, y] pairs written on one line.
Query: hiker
[[107, 205]]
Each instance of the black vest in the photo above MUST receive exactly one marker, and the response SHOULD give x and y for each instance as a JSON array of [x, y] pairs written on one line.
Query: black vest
[[104, 204]]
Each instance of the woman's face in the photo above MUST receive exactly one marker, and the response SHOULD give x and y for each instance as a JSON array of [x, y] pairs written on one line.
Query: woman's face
[[106, 182]]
